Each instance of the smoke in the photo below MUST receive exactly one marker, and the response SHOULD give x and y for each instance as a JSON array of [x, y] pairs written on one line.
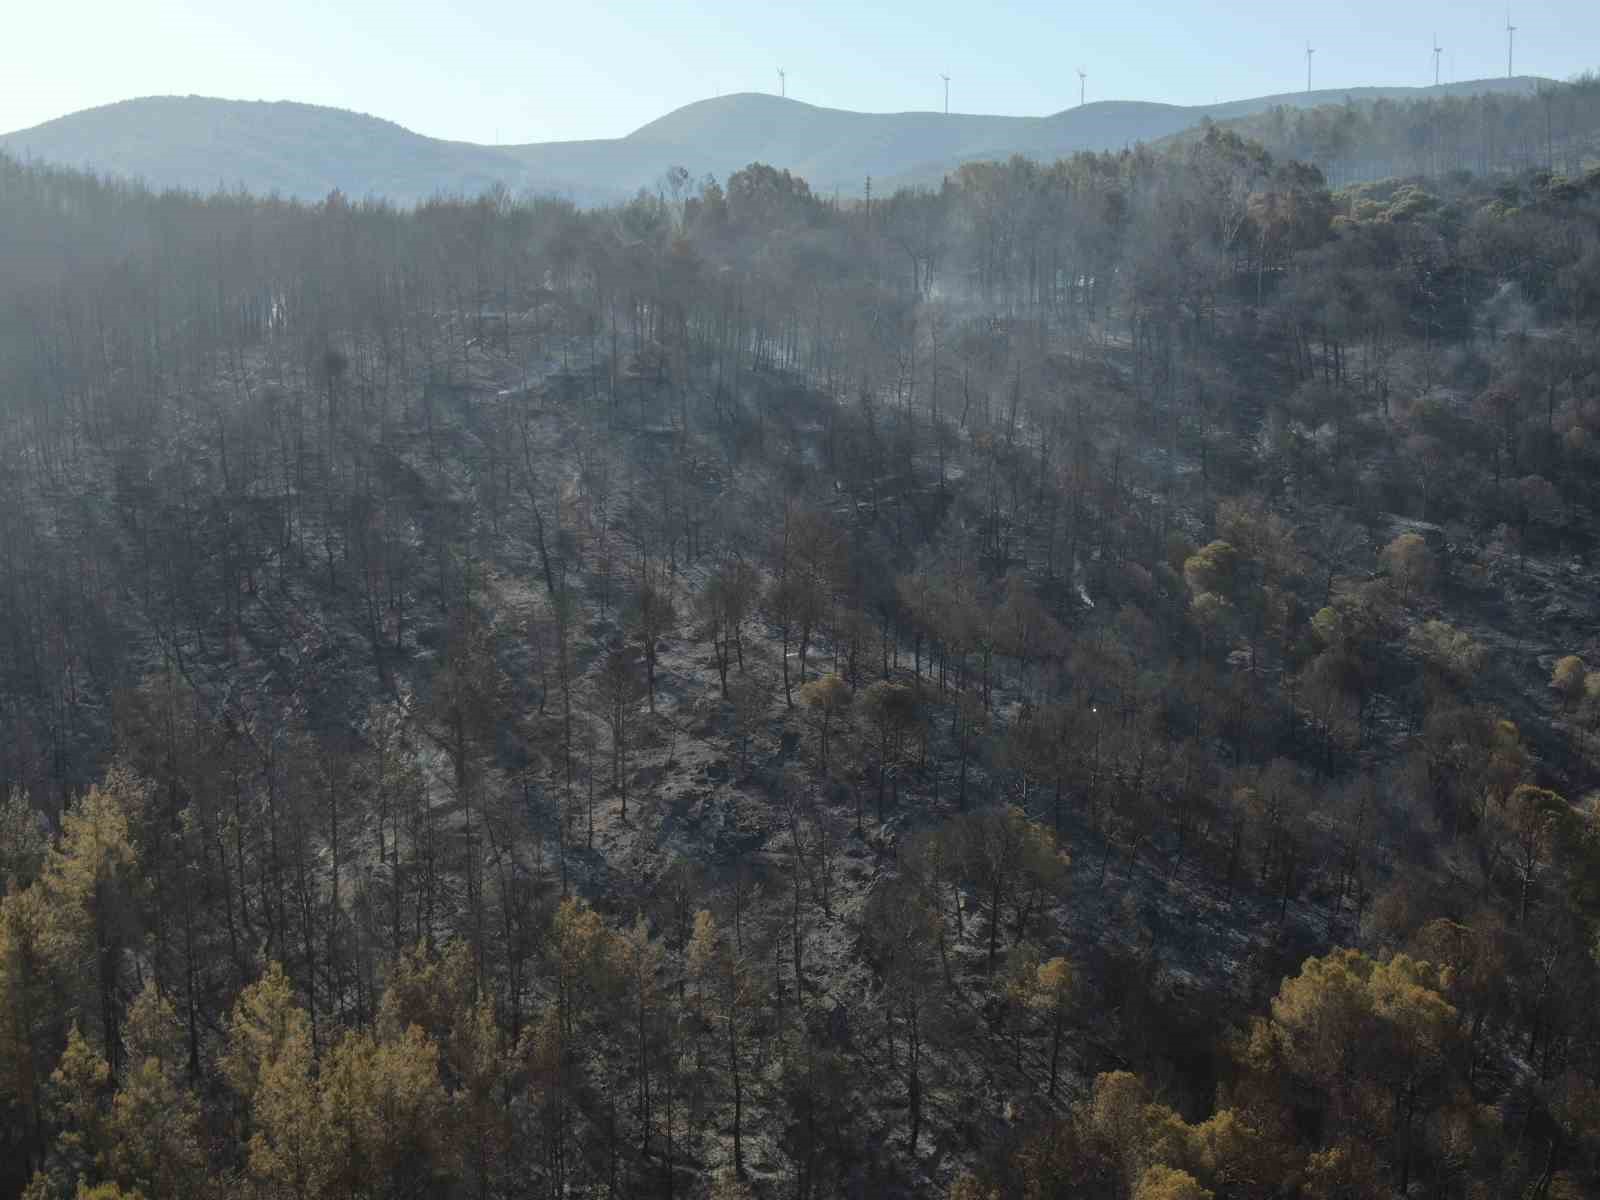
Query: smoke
[[1506, 312]]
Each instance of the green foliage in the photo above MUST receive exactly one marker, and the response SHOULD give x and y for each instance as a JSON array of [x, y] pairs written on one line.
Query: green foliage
[[268, 1061], [1328, 625], [1410, 563], [427, 988], [1567, 678], [1052, 989], [22, 842], [1348, 1022], [80, 1088], [382, 1110], [762, 198], [88, 881], [1448, 651], [583, 951], [1166, 1183], [1212, 569], [827, 698], [157, 1145], [104, 1191], [27, 1025]]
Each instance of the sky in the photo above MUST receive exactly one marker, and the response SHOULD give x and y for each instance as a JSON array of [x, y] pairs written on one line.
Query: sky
[[532, 70]]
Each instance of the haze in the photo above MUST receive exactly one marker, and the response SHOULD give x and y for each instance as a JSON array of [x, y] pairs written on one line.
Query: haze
[[789, 650], [498, 72]]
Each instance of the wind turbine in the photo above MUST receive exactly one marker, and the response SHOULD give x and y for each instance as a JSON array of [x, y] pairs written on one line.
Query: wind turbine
[[1082, 86], [1437, 51], [783, 82], [946, 79], [1309, 53], [1511, 37]]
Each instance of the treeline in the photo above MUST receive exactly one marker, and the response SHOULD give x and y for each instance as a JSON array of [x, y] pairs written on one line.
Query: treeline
[[741, 692], [1551, 126]]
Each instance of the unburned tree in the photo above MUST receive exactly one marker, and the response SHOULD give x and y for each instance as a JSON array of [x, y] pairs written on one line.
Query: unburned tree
[[1347, 1021], [1051, 996], [827, 699], [155, 1126], [1410, 563], [88, 880], [1567, 678], [268, 1063]]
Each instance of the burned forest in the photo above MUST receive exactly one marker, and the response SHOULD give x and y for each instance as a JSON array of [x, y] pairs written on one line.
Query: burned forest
[[1081, 681]]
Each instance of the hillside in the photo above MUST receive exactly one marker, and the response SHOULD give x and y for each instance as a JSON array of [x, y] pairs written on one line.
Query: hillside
[[304, 151], [837, 148], [745, 698], [296, 150], [1430, 134]]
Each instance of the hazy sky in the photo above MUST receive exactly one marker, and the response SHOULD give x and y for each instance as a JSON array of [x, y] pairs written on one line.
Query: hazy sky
[[533, 70]]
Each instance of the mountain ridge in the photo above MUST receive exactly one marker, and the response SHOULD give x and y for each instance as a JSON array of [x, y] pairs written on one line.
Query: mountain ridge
[[304, 151]]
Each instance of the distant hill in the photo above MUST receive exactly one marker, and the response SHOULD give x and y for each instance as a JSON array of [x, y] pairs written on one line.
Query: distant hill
[[297, 150], [305, 151], [832, 147]]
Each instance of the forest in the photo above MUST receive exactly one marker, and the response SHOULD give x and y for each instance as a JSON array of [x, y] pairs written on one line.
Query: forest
[[1073, 683], [1553, 126]]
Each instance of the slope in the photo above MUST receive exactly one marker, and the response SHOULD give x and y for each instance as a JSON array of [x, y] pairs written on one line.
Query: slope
[[297, 150], [836, 148]]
